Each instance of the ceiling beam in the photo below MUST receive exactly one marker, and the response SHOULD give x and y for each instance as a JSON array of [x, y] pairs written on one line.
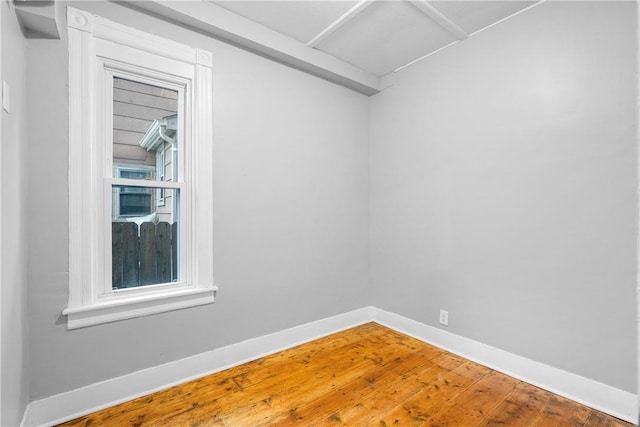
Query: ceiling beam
[[348, 16], [539, 2], [440, 19], [38, 19], [217, 22]]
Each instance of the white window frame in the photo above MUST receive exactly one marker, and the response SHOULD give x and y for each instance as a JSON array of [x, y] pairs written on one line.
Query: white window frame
[[100, 49]]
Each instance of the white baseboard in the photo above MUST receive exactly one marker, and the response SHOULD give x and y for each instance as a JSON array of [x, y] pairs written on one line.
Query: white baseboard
[[72, 404], [610, 400]]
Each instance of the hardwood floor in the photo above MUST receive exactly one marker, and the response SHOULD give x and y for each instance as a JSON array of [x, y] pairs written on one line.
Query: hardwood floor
[[368, 375]]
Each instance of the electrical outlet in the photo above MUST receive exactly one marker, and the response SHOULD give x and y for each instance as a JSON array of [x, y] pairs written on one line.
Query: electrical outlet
[[444, 317]]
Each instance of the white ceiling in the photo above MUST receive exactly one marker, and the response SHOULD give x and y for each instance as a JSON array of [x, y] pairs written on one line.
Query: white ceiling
[[377, 36]]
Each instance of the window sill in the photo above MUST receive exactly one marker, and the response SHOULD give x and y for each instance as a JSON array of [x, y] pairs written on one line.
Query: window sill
[[138, 306]]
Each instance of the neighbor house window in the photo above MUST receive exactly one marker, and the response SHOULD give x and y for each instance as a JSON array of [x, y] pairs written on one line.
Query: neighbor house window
[[139, 173], [133, 201]]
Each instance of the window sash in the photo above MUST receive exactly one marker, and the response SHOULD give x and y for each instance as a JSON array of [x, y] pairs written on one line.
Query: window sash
[[108, 69], [125, 182], [184, 276]]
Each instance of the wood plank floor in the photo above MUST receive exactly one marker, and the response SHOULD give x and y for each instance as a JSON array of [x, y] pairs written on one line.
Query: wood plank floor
[[368, 375]]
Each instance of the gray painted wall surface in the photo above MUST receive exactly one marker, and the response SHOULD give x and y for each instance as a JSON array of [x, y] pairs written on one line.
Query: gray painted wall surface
[[291, 213], [503, 176], [15, 382]]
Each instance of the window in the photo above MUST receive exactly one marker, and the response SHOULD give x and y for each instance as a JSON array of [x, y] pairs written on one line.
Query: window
[[140, 181]]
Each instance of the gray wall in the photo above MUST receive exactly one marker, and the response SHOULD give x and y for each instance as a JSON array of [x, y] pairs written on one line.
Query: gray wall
[[503, 176], [14, 369], [291, 213]]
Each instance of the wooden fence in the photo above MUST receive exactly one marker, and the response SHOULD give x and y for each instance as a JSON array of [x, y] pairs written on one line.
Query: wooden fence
[[143, 255]]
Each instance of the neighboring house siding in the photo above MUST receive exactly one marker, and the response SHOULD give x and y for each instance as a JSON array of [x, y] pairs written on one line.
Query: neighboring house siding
[[135, 107]]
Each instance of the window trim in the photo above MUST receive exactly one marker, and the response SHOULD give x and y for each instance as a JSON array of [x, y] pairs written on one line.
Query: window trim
[[95, 45]]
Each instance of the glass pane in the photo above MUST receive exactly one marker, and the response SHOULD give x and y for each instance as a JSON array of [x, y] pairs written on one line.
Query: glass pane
[[145, 131], [144, 237], [132, 204]]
